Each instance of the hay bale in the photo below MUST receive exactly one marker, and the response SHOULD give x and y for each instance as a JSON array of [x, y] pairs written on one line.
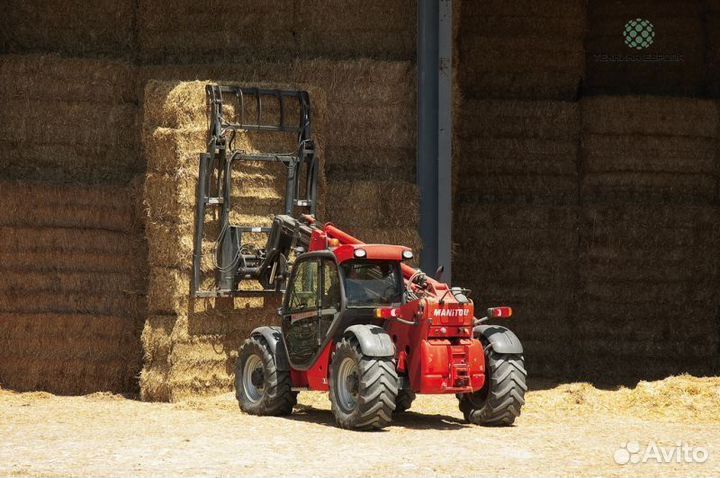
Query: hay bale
[[649, 149], [506, 53], [72, 288], [41, 205], [71, 27], [518, 151], [519, 119], [68, 120], [649, 116], [187, 33], [176, 338], [658, 154], [372, 203], [370, 113]]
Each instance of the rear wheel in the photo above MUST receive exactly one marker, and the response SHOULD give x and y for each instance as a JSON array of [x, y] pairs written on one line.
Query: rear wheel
[[260, 388], [499, 402], [362, 389], [404, 400]]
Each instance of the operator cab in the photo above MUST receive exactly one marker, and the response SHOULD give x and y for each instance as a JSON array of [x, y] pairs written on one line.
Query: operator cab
[[330, 290]]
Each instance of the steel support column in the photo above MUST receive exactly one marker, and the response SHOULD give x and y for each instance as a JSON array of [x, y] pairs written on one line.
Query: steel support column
[[434, 163]]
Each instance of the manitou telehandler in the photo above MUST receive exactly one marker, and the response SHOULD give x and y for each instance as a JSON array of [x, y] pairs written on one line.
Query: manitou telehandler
[[356, 320]]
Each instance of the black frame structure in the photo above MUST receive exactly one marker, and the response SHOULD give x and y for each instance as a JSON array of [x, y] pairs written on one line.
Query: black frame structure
[[434, 162], [235, 262]]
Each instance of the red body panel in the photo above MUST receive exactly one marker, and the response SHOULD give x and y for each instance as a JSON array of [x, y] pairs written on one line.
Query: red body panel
[[437, 352], [316, 377]]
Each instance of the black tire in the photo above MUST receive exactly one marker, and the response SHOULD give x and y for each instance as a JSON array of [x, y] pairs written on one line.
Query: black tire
[[369, 401], [499, 402], [404, 400], [266, 392]]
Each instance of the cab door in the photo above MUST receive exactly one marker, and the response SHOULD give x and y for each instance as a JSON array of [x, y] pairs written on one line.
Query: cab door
[[301, 312]]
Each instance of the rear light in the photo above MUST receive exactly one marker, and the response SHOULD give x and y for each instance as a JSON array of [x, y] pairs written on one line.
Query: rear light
[[385, 313], [499, 312]]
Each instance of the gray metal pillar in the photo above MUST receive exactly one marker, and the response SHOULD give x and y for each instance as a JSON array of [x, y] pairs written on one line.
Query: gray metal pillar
[[434, 163]]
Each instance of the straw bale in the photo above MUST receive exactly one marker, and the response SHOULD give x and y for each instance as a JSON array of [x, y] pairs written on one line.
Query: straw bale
[[662, 154], [650, 116], [72, 27], [536, 52], [68, 353], [519, 119], [506, 53], [654, 187], [355, 162], [277, 30], [513, 218], [540, 189], [373, 203], [517, 156], [68, 122], [87, 207], [53, 78], [531, 8], [130, 303]]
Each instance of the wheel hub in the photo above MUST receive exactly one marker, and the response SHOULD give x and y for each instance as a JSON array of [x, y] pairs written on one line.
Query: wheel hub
[[348, 384], [253, 378]]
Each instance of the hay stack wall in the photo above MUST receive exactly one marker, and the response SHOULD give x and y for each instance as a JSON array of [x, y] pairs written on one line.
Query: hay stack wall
[[190, 345], [71, 248], [515, 217], [649, 236], [190, 32], [70, 27], [72, 288], [525, 49], [369, 138], [68, 120]]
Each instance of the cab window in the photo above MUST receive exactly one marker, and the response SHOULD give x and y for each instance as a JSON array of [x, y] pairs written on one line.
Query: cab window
[[330, 297], [304, 287], [372, 283]]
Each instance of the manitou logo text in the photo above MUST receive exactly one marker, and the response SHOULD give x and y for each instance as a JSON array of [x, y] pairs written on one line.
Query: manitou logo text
[[451, 312]]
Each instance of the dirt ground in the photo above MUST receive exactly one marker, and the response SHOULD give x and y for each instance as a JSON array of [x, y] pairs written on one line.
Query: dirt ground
[[569, 430]]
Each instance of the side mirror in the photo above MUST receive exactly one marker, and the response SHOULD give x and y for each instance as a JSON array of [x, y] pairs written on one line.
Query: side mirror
[[439, 273]]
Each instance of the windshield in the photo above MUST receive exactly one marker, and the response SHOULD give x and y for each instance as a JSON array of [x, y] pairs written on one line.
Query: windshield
[[372, 283]]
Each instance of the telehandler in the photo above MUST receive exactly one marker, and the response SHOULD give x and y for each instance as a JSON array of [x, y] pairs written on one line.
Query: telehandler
[[356, 319]]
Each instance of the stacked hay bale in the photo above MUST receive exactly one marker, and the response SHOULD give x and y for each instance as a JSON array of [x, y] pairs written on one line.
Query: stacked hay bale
[[68, 120], [72, 27], [188, 32], [672, 64], [523, 49], [71, 288], [369, 137], [190, 345], [649, 236], [516, 214]]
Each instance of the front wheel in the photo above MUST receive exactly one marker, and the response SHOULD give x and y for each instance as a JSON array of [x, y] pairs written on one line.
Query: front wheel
[[260, 388], [362, 389], [499, 402]]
